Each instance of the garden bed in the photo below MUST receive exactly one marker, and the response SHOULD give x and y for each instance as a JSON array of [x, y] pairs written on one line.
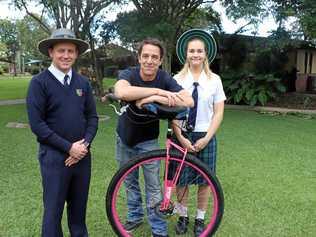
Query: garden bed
[[295, 100]]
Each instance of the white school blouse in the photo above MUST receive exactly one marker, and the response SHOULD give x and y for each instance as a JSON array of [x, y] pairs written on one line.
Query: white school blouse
[[210, 91]]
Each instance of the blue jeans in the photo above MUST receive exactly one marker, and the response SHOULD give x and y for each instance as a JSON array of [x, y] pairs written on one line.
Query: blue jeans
[[124, 154]]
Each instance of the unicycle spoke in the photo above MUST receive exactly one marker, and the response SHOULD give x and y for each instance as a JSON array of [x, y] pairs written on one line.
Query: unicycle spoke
[[121, 209]]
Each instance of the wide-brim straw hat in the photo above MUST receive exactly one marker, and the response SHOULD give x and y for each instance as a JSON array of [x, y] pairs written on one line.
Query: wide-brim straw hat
[[62, 35], [207, 38]]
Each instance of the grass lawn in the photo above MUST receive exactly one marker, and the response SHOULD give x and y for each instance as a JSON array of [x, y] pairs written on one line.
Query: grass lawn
[[266, 165], [16, 87], [108, 82], [13, 87]]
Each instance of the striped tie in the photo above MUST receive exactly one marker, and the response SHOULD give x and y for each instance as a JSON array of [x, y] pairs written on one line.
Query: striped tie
[[66, 81], [193, 111]]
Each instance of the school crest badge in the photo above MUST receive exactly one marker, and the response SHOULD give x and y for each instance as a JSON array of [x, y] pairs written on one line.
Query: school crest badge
[[79, 92]]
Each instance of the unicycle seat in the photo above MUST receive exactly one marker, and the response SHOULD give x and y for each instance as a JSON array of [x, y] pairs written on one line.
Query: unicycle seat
[[166, 112]]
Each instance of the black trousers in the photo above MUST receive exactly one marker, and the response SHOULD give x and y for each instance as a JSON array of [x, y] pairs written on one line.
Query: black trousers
[[62, 185]]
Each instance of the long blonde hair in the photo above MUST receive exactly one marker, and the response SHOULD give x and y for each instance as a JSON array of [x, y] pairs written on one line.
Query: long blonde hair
[[186, 66]]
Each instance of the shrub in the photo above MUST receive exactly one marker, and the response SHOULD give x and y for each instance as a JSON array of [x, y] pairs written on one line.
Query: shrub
[[271, 60], [4, 68], [111, 71], [238, 52], [251, 89], [33, 69]]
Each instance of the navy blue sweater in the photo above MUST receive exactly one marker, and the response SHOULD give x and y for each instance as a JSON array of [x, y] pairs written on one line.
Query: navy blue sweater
[[58, 115], [132, 128]]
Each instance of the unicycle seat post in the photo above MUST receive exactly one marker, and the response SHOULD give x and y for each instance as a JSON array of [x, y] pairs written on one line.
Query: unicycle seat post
[[169, 130]]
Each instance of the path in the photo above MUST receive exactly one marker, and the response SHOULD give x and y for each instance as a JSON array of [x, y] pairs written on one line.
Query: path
[[12, 102], [270, 109], [238, 107]]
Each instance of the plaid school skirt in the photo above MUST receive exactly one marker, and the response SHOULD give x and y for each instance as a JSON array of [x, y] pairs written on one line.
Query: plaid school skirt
[[189, 176]]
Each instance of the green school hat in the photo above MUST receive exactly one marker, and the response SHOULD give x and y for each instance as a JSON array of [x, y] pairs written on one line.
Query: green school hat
[[207, 38]]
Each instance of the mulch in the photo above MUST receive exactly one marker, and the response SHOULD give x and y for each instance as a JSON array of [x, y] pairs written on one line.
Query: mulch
[[295, 100]]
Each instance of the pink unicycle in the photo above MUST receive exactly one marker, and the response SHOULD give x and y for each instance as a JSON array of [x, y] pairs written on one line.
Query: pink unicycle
[[173, 161]]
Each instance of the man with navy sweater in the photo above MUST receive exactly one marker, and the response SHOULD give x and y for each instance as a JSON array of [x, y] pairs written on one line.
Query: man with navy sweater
[[62, 115]]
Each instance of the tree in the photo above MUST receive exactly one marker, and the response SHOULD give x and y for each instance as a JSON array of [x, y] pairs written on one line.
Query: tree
[[8, 36], [20, 38], [78, 15], [165, 20], [254, 9], [302, 10], [3, 52], [30, 33]]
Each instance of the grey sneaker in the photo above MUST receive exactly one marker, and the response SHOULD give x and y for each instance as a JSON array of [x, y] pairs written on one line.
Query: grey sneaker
[[182, 225], [198, 227]]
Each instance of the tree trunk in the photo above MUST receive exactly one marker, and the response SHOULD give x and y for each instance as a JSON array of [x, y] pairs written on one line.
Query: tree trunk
[[14, 69], [166, 65], [98, 83]]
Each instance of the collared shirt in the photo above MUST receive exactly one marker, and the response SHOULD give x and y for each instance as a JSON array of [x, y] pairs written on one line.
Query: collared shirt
[[210, 92], [59, 74]]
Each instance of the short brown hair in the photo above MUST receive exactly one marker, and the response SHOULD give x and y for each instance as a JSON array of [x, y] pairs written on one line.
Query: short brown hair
[[154, 42]]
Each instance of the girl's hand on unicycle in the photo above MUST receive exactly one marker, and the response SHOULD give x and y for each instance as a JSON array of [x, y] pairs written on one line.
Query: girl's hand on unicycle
[[186, 143], [200, 144]]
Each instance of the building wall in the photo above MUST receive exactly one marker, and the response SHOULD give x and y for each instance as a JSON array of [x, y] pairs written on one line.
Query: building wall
[[306, 61], [306, 64], [301, 61], [291, 63], [314, 63]]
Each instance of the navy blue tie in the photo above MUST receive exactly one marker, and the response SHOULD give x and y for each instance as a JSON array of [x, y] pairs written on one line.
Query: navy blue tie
[[66, 81], [193, 111]]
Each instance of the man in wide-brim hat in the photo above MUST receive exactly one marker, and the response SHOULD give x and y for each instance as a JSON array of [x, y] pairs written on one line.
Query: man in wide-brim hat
[[62, 35], [62, 115]]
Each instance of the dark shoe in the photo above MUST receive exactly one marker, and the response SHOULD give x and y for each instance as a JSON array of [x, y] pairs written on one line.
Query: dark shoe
[[130, 225], [182, 225], [156, 235], [198, 227]]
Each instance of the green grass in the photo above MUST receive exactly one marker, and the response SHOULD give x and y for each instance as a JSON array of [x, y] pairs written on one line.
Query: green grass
[[13, 87], [266, 165], [16, 87], [108, 82]]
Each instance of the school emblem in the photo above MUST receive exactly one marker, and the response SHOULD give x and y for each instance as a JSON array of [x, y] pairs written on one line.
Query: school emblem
[[79, 92]]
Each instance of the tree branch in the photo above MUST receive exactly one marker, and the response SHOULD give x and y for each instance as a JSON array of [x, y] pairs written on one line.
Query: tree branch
[[35, 17], [240, 29]]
